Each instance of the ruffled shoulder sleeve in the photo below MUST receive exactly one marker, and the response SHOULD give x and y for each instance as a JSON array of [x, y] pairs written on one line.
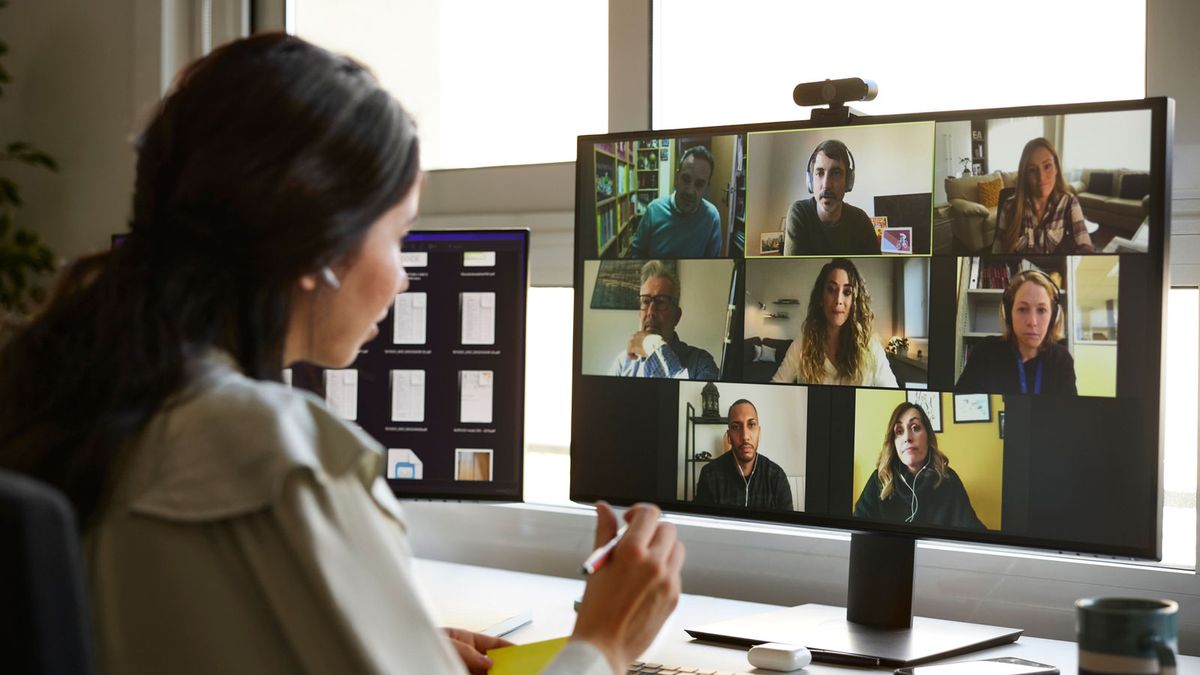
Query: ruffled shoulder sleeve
[[225, 447]]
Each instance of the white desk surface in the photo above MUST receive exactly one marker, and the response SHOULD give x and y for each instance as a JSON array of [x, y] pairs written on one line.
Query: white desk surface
[[455, 590]]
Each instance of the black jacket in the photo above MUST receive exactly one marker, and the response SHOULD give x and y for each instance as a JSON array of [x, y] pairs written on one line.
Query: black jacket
[[992, 368], [946, 505], [721, 484]]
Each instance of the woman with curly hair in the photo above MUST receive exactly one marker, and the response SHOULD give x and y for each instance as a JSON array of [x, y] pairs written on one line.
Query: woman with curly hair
[[913, 481], [1043, 216], [836, 344]]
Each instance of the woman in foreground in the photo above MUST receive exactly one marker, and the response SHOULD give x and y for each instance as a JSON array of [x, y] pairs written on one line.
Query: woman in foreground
[[232, 524]]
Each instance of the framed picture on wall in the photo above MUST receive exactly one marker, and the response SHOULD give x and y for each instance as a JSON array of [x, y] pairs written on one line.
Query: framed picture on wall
[[931, 403], [972, 408], [618, 283]]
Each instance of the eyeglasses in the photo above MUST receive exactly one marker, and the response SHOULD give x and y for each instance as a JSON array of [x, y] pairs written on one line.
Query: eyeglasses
[[659, 301]]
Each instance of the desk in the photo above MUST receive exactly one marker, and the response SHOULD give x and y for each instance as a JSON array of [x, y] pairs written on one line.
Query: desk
[[453, 589]]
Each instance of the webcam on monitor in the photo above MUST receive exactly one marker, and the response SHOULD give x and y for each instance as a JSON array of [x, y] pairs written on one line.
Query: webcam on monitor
[[835, 94]]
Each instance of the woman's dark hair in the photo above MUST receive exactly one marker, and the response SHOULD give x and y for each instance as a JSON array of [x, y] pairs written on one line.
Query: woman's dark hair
[[269, 159]]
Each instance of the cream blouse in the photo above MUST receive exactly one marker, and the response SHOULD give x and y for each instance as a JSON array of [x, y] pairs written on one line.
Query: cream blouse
[[249, 530]]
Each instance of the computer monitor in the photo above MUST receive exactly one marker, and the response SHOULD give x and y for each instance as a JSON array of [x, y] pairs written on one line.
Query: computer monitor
[[442, 386], [921, 313]]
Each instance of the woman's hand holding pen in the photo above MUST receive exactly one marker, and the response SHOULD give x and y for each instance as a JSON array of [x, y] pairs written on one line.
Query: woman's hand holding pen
[[630, 596]]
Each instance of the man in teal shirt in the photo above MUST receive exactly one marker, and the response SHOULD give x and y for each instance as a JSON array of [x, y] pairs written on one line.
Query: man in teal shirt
[[683, 224]]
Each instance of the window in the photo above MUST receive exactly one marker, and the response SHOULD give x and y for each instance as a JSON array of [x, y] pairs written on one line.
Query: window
[[713, 64], [1179, 444], [548, 395], [489, 83]]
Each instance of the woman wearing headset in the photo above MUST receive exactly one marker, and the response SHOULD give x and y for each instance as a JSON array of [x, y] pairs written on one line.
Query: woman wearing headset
[[1043, 216], [913, 481], [837, 344], [1028, 358]]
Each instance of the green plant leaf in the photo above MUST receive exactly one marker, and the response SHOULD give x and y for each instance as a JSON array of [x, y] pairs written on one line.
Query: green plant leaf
[[9, 192]]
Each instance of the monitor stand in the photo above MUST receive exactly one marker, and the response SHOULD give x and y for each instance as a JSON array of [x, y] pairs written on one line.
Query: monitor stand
[[877, 627]]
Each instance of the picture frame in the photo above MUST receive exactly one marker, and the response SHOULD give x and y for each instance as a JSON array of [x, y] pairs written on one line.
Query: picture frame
[[931, 403], [1001, 416], [972, 408], [896, 241], [618, 283], [771, 243]]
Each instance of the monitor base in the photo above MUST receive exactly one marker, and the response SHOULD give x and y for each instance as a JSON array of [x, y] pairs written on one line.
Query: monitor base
[[832, 639]]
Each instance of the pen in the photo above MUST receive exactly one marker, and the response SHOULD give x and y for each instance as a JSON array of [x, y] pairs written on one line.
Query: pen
[[600, 556]]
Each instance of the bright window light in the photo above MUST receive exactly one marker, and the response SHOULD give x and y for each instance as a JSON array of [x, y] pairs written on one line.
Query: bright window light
[[548, 395], [1179, 465], [924, 55], [489, 83]]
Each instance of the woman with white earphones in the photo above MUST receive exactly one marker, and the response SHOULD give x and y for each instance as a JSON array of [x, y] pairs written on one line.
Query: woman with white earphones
[[913, 481]]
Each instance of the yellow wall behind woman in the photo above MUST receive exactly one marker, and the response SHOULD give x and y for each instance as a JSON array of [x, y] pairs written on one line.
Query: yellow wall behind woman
[[1096, 369], [975, 449]]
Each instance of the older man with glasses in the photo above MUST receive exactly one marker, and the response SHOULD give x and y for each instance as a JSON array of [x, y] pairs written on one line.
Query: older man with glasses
[[655, 350]]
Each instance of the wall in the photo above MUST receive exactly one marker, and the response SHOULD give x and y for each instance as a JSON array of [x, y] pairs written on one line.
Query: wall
[[705, 285], [784, 430], [1172, 52], [953, 143], [1089, 141], [72, 95], [975, 450], [1096, 369], [886, 160]]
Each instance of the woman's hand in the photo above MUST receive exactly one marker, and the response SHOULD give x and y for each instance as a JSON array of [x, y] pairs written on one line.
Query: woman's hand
[[472, 648], [628, 599]]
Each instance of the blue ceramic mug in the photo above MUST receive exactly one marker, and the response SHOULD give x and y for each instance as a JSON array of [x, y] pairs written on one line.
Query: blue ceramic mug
[[1126, 635]]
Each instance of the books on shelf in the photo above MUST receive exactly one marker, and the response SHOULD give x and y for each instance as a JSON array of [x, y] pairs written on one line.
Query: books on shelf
[[988, 274]]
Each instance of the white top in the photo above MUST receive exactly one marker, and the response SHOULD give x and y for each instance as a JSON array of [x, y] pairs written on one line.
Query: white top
[[876, 371], [249, 530]]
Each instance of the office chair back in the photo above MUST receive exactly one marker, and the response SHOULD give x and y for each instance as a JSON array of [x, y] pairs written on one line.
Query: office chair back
[[45, 624]]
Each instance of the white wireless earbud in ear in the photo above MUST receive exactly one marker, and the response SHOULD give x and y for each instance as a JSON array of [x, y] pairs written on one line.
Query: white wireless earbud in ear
[[330, 278]]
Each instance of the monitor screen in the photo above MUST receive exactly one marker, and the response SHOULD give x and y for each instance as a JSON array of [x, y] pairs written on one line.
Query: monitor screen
[[441, 386], [944, 325]]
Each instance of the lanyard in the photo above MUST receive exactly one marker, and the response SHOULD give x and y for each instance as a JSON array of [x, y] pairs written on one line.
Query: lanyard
[[1037, 382]]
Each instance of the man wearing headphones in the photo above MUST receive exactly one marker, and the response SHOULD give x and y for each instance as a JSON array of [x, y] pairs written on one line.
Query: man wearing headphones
[[1028, 358], [824, 224], [683, 224]]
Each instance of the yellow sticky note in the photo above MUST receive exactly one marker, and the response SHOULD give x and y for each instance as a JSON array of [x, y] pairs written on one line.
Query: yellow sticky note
[[527, 659]]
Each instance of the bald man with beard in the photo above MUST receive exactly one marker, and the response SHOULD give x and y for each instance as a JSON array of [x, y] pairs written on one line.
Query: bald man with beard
[[743, 476]]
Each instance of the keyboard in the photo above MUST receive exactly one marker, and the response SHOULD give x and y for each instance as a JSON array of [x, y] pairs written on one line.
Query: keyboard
[[641, 668]]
